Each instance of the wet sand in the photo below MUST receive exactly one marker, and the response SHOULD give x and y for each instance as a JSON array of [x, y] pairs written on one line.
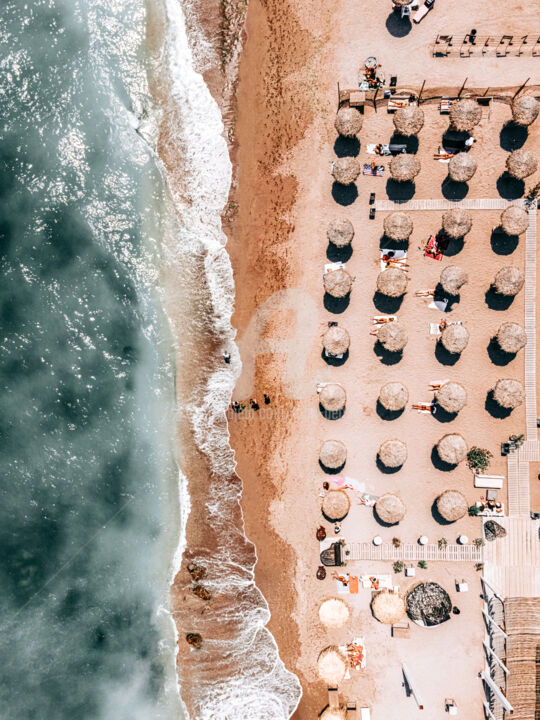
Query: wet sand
[[287, 96]]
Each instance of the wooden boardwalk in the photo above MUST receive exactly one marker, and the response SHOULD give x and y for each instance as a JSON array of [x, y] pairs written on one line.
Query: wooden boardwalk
[[512, 563], [412, 551], [530, 325], [442, 204]]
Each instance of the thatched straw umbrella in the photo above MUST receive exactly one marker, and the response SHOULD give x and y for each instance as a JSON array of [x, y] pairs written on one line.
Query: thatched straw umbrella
[[401, 2], [514, 220], [465, 115], [509, 281], [462, 167], [333, 454], [452, 279], [334, 612], [428, 603], [452, 505], [332, 665], [409, 120], [336, 505], [508, 394], [457, 222], [392, 336], [455, 338], [388, 607], [452, 397], [337, 283], [345, 170], [404, 167], [521, 163], [393, 396], [452, 448], [333, 397], [392, 282], [524, 110], [398, 226], [334, 713], [336, 340], [348, 122], [390, 508], [393, 453], [340, 232], [511, 337]]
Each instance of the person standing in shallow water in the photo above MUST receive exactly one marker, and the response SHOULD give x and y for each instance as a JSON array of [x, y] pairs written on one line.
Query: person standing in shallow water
[[254, 404], [266, 399]]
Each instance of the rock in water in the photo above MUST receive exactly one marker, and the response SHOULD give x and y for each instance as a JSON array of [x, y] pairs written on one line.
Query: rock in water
[[492, 530], [197, 572], [201, 592], [194, 639]]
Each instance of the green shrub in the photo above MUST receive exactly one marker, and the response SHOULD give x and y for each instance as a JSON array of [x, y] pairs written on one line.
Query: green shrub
[[478, 542], [479, 458], [442, 543], [398, 566], [474, 510], [422, 564]]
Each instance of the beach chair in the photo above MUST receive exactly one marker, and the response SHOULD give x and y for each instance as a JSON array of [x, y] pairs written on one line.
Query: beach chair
[[372, 198], [365, 713], [351, 709], [488, 481], [462, 586], [333, 697], [372, 213], [405, 11], [401, 629], [450, 706], [410, 571]]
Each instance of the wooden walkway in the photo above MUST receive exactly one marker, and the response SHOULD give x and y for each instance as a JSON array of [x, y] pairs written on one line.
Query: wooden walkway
[[512, 563], [530, 325], [409, 552], [442, 204]]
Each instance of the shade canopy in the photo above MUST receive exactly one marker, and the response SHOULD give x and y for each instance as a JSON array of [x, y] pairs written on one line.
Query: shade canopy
[[393, 453], [457, 222], [509, 280], [429, 604], [348, 121], [508, 394], [398, 226], [340, 232], [511, 337], [521, 163], [333, 397], [452, 397], [452, 505], [337, 283], [390, 508], [345, 170], [465, 115], [336, 340], [332, 665], [404, 167], [392, 336], [334, 713], [452, 279], [524, 110], [334, 613], [514, 220], [392, 282], [333, 454], [388, 607], [455, 338], [401, 2], [336, 505], [452, 448], [462, 167], [393, 396], [409, 120]]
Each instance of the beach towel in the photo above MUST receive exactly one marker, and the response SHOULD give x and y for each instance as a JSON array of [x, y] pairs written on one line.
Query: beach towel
[[371, 149], [353, 584], [356, 653], [330, 267], [400, 256], [368, 499], [435, 246], [379, 170], [376, 582], [439, 303], [347, 483], [434, 329], [431, 410]]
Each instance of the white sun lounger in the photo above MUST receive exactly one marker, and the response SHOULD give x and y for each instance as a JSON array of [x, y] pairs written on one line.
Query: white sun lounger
[[441, 304], [488, 481], [330, 267], [434, 329]]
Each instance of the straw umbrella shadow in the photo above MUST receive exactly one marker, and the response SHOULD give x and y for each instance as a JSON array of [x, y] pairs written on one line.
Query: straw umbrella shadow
[[385, 414], [444, 356], [513, 136], [386, 243], [386, 304], [497, 355], [411, 142], [344, 194], [510, 188], [442, 415], [494, 409], [331, 414], [440, 464], [501, 243], [496, 301], [347, 146], [336, 305], [436, 515], [339, 254], [455, 246], [331, 471], [453, 190], [441, 294], [400, 190], [387, 357], [397, 26], [385, 469], [335, 361]]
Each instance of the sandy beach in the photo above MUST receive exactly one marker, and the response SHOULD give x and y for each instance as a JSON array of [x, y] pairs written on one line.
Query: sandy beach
[[285, 198]]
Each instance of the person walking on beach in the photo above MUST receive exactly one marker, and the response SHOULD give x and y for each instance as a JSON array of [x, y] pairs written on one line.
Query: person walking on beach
[[237, 408], [266, 399], [254, 404]]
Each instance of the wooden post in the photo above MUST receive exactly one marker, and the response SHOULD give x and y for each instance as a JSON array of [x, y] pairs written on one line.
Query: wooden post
[[520, 88], [497, 692], [338, 95], [421, 91], [462, 87], [375, 99]]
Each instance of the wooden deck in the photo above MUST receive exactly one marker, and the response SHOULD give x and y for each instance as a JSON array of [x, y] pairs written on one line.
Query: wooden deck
[[412, 551], [512, 563]]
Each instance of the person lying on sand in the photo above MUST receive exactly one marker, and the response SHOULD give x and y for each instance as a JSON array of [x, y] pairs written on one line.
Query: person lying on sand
[[423, 406], [425, 293], [342, 579]]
